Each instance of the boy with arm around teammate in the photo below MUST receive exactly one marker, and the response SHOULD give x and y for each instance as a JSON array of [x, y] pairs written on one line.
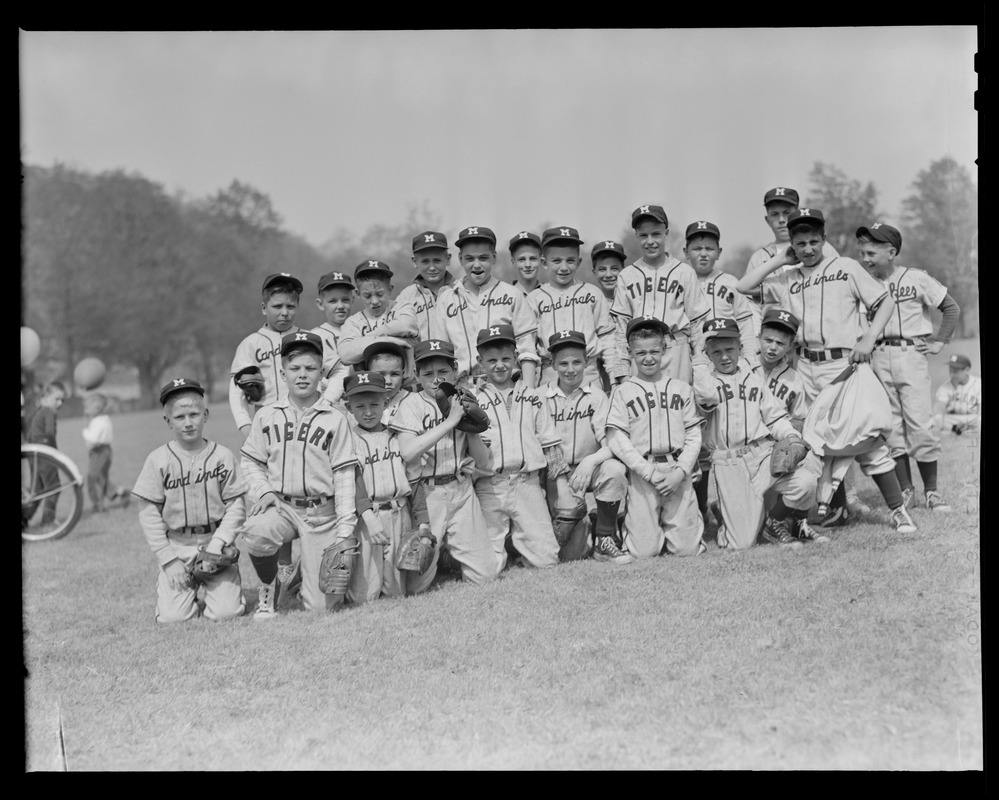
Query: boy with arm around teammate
[[336, 292]]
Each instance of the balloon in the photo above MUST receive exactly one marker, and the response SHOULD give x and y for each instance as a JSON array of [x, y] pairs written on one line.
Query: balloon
[[31, 345], [89, 373]]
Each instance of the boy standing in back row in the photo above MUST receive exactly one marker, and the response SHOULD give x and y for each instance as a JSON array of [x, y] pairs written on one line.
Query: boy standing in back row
[[336, 293], [431, 259]]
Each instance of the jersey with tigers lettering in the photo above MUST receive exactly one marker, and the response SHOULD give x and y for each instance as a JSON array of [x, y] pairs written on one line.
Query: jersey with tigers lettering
[[417, 413], [261, 349], [576, 307], [772, 293], [786, 385], [519, 432], [725, 301], [579, 418], [656, 416], [461, 314], [739, 408], [422, 300]]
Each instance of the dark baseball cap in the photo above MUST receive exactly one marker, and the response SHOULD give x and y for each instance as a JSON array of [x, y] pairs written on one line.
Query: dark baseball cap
[[720, 327], [496, 333], [524, 237], [282, 277], [372, 266], [364, 381], [335, 279], [702, 228], [781, 194], [806, 216], [475, 232], [564, 339], [646, 320], [653, 212], [299, 339], [377, 348], [958, 361], [608, 246], [433, 348], [428, 239], [561, 234], [180, 385], [880, 232], [781, 318]]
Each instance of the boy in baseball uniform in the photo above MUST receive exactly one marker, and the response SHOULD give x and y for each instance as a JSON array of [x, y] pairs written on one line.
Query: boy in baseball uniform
[[522, 441], [833, 298], [653, 428], [567, 304], [743, 421], [480, 301], [190, 495], [578, 410], [336, 293], [899, 358], [388, 359], [664, 287], [525, 255], [958, 407], [444, 459], [431, 258], [300, 467], [606, 261]]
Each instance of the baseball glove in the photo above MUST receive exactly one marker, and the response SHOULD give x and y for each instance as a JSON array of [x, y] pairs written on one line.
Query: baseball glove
[[566, 520], [416, 551], [338, 561], [786, 456], [251, 381], [206, 564], [475, 419]]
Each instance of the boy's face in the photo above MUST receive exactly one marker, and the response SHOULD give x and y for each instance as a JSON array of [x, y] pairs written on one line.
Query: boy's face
[[877, 257], [92, 406], [431, 372], [432, 264], [960, 375], [53, 398], [651, 237], [807, 246], [367, 408], [376, 294], [302, 371], [477, 258], [570, 363], [498, 363], [279, 311], [335, 304], [702, 253], [776, 218], [186, 416], [647, 353], [774, 344], [724, 353], [607, 268], [562, 261], [527, 260], [390, 367]]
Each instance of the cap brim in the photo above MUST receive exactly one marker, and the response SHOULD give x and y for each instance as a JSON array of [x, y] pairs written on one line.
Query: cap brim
[[722, 335]]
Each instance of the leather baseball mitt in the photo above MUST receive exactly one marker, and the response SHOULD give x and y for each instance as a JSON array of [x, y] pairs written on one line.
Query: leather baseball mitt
[[786, 456], [416, 551], [251, 381], [336, 565], [206, 564], [475, 419], [566, 520]]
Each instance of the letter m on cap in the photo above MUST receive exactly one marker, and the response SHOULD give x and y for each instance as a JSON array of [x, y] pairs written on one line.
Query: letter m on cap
[[363, 377], [494, 331]]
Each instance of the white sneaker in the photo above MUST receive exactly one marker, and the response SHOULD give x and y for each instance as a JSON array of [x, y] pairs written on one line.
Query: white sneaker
[[266, 596], [807, 533], [289, 583], [606, 549], [934, 502], [901, 520], [908, 496]]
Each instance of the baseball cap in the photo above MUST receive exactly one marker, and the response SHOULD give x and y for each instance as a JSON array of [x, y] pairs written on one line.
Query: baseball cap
[[372, 265], [180, 385], [561, 234], [524, 237], [702, 228], [300, 338], [282, 277], [655, 212], [721, 327], [958, 361], [564, 339], [475, 232], [432, 348], [377, 348], [804, 216], [496, 333], [427, 239], [644, 321], [781, 318], [608, 246], [781, 194], [880, 232], [335, 279], [363, 382]]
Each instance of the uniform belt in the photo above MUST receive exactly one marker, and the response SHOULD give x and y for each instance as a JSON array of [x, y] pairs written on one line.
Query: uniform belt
[[305, 502], [823, 355], [894, 341], [198, 530], [438, 480], [740, 451], [387, 505], [662, 459]]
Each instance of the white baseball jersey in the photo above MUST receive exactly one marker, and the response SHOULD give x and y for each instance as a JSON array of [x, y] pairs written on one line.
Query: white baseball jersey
[[915, 292], [382, 467], [261, 349], [579, 419], [417, 413], [726, 302], [461, 314], [576, 307], [738, 407], [965, 399], [362, 323], [330, 334], [519, 427], [773, 292], [422, 301], [671, 293], [785, 385]]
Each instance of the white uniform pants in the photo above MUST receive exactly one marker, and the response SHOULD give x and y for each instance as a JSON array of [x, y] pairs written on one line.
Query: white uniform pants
[[903, 372]]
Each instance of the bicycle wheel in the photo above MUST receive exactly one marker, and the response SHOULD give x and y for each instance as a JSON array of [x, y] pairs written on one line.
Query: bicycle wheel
[[51, 497]]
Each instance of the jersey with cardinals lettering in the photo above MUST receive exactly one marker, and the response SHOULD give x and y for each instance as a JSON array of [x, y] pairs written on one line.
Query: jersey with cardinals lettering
[[738, 407], [576, 307], [261, 349], [656, 415], [772, 293], [915, 292], [362, 323], [579, 418], [422, 300], [382, 467], [461, 314], [519, 427], [418, 413]]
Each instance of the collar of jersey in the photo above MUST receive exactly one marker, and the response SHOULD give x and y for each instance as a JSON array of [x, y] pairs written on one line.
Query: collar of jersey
[[449, 280], [554, 390]]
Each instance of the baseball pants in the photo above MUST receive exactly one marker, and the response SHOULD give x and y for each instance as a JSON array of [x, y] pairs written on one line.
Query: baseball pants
[[455, 512], [816, 375], [877, 461], [98, 470], [375, 573], [314, 527], [609, 483], [904, 373], [514, 504], [223, 592], [652, 520], [742, 477]]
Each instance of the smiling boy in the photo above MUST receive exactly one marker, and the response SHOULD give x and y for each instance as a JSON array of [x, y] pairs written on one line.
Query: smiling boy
[[431, 259], [335, 295], [525, 255]]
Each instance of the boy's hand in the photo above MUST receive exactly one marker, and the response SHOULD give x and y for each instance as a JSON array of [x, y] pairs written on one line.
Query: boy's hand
[[265, 502], [928, 348], [580, 478], [177, 575], [376, 532], [790, 257], [215, 546], [667, 477], [861, 353]]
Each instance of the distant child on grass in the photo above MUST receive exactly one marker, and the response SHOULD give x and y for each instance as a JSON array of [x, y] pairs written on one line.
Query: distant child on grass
[[42, 430], [98, 434], [191, 496]]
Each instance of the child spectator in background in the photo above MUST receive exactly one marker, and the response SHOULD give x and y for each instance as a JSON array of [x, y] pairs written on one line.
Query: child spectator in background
[[97, 435], [42, 430]]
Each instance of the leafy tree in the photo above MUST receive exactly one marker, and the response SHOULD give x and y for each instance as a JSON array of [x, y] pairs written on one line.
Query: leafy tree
[[846, 204], [734, 261]]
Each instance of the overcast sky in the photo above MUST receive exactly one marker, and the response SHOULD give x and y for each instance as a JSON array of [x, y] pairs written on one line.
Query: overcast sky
[[507, 129]]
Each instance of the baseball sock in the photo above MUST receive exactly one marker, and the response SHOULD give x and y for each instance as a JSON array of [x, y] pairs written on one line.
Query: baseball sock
[[266, 567], [779, 510], [888, 484], [928, 472], [903, 471], [839, 496], [701, 490], [284, 553], [606, 524]]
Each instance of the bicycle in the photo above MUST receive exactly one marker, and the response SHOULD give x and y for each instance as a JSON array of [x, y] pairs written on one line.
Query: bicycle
[[51, 493]]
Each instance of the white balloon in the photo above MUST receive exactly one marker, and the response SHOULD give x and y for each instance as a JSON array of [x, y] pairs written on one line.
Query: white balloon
[[31, 346]]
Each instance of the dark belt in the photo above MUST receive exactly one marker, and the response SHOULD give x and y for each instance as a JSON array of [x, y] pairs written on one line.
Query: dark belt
[[197, 530], [388, 505], [438, 480], [894, 341], [305, 502], [662, 459], [823, 355]]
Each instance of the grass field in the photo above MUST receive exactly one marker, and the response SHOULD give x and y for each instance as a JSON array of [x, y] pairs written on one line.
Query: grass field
[[861, 654]]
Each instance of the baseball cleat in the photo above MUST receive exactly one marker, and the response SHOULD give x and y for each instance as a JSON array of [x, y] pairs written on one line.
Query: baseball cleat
[[901, 520], [266, 595], [934, 502], [807, 533], [908, 497], [606, 549], [289, 582], [828, 516], [776, 531]]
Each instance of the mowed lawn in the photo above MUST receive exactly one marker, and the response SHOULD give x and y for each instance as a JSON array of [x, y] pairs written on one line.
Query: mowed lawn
[[861, 654]]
